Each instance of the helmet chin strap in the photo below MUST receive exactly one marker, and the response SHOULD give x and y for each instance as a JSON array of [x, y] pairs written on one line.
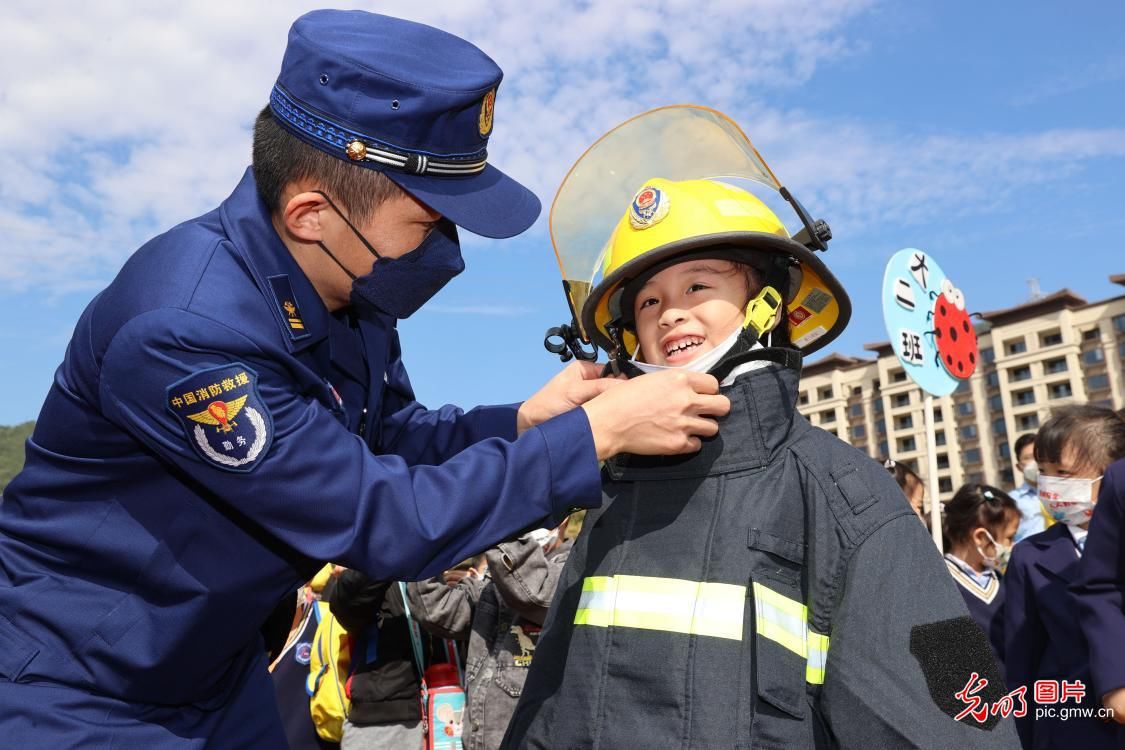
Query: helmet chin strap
[[761, 312], [757, 322], [619, 362]]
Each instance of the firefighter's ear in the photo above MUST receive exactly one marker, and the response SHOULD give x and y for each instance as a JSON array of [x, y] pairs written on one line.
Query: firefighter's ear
[[950, 652]]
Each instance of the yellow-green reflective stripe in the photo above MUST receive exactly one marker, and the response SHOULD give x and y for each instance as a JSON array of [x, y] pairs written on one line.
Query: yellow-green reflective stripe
[[818, 657], [715, 609], [780, 619], [785, 621], [670, 604]]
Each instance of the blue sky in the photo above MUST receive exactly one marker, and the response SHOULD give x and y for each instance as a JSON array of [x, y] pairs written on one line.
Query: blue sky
[[990, 134]]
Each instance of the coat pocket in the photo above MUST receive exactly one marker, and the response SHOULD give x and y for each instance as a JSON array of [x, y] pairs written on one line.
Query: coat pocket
[[775, 656], [510, 679], [780, 646], [16, 651]]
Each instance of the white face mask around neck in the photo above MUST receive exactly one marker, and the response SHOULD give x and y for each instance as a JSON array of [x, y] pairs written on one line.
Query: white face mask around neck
[[702, 363]]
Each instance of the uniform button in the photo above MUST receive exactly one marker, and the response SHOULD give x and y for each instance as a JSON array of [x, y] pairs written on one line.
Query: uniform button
[[476, 725]]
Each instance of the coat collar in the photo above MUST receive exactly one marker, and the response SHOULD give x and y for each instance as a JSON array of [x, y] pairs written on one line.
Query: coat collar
[[761, 418], [967, 578], [298, 309], [1058, 554]]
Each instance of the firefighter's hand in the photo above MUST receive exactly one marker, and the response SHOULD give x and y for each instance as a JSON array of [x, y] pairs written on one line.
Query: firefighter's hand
[[1115, 701], [579, 382], [659, 414]]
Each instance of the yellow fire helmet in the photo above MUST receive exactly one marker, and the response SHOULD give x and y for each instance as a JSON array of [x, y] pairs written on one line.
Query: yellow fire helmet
[[683, 176]]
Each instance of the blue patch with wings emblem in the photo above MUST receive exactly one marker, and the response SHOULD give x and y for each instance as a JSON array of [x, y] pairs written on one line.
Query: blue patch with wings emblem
[[225, 419]]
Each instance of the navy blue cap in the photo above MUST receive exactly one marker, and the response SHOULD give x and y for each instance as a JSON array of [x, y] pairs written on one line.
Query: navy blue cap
[[411, 101]]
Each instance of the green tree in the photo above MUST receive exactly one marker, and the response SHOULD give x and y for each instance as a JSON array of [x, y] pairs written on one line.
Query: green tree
[[11, 450]]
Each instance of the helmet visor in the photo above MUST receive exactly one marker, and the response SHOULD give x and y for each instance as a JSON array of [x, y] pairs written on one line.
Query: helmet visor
[[676, 143]]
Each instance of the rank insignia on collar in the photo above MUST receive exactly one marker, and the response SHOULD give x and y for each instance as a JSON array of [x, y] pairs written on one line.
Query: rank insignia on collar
[[294, 315], [287, 306], [650, 206], [225, 419]]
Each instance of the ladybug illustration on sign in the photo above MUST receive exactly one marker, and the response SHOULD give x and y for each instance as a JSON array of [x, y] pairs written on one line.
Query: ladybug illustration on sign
[[953, 333]]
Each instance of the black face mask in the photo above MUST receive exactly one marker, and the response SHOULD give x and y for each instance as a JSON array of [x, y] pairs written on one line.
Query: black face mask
[[399, 286]]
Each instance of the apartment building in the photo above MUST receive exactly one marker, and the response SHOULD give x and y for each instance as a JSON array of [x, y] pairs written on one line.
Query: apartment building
[[1050, 351]]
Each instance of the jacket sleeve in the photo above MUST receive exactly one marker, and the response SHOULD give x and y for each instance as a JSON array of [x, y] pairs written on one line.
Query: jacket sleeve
[[376, 513], [424, 436], [901, 646], [445, 611], [1025, 638], [1100, 590], [524, 576], [430, 436], [356, 601]]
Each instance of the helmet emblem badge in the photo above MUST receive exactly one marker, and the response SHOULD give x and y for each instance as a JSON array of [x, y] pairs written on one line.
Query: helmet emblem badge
[[650, 205]]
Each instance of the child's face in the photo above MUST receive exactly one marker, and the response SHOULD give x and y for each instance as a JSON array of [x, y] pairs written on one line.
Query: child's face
[[688, 309]]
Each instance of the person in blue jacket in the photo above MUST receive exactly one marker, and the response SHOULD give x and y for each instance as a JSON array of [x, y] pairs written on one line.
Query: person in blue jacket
[[1043, 640], [1026, 493], [979, 526], [1100, 591], [233, 409]]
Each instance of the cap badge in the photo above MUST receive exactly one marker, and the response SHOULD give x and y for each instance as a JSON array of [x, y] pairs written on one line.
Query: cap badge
[[650, 206], [487, 105], [356, 151]]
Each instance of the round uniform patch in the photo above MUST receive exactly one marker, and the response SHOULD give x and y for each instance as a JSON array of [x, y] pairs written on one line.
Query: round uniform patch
[[650, 205], [487, 107], [225, 419], [303, 653]]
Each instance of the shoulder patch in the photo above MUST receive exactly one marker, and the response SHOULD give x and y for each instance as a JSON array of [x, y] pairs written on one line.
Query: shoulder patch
[[223, 415]]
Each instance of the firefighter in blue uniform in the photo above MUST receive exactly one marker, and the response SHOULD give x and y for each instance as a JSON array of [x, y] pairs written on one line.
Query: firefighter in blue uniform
[[233, 408]]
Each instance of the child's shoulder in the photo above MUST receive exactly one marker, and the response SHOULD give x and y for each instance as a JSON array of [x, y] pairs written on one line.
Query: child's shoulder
[[820, 449], [862, 481]]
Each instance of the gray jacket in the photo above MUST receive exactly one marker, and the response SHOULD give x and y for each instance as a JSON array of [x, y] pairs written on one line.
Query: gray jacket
[[500, 615], [773, 591]]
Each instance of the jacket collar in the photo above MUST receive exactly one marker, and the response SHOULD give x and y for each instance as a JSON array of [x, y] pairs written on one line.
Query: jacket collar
[[761, 420], [298, 309], [1058, 554]]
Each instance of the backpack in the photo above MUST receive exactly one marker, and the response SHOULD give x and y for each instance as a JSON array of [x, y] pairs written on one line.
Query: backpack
[[442, 694], [329, 669]]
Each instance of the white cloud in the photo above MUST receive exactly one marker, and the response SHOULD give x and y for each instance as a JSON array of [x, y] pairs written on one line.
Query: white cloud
[[1077, 78], [500, 311], [123, 119]]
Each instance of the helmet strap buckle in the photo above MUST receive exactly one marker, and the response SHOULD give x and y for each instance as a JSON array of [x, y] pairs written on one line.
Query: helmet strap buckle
[[619, 363]]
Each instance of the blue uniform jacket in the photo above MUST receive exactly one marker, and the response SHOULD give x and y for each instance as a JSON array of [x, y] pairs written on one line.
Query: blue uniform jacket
[[198, 451], [1044, 642], [985, 603], [1100, 589]]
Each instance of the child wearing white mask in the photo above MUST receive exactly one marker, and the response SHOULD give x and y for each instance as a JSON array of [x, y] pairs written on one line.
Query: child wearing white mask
[[980, 523], [1043, 640]]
